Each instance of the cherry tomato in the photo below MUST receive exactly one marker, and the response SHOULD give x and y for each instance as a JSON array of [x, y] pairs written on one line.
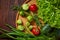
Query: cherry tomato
[[33, 8], [35, 31]]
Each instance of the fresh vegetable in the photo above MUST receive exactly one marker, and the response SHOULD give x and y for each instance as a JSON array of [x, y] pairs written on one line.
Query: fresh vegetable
[[30, 27], [19, 21], [25, 6], [55, 3], [36, 19], [49, 12], [35, 31], [30, 18], [33, 8], [20, 27], [27, 23], [17, 35], [21, 13]]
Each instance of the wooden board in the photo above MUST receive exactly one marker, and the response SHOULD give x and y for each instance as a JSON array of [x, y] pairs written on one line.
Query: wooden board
[[24, 19], [29, 2]]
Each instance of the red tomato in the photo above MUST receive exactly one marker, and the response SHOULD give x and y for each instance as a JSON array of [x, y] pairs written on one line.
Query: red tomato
[[35, 31], [33, 8]]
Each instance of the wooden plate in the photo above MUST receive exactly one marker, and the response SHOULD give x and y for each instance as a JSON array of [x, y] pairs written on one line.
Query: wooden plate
[[29, 2]]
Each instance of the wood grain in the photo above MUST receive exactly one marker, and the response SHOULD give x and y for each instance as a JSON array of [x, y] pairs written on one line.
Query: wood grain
[[6, 14]]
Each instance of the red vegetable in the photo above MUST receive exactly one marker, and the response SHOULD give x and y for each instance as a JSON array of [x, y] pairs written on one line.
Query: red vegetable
[[33, 8], [35, 31]]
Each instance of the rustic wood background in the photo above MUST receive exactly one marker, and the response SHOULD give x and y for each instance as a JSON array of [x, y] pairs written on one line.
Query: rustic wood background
[[6, 14]]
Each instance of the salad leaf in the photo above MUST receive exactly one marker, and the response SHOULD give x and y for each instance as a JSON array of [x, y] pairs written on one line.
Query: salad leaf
[[49, 12]]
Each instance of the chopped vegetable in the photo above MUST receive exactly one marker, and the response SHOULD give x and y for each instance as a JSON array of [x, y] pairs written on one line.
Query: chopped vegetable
[[30, 27], [21, 13], [20, 27], [30, 18], [27, 23], [25, 6], [19, 21]]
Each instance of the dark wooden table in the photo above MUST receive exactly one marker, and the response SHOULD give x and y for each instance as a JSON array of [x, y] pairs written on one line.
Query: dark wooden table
[[6, 14]]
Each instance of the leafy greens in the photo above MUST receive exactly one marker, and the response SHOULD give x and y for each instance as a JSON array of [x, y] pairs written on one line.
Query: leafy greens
[[49, 11]]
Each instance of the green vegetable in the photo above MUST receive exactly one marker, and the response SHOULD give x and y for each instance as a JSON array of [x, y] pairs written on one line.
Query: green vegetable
[[21, 13], [46, 29], [49, 12], [19, 21], [30, 27], [30, 18], [25, 6], [36, 19], [20, 27], [27, 24], [21, 35], [56, 3], [12, 28]]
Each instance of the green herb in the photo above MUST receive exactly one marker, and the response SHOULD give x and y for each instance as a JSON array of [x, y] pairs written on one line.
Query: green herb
[[17, 35], [49, 12], [5, 35], [36, 19], [3, 30]]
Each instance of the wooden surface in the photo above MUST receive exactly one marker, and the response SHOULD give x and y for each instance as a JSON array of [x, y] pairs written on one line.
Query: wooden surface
[[6, 14], [24, 19]]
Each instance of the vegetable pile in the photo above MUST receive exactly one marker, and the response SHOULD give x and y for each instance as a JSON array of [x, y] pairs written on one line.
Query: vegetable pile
[[42, 22], [49, 11], [28, 12]]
